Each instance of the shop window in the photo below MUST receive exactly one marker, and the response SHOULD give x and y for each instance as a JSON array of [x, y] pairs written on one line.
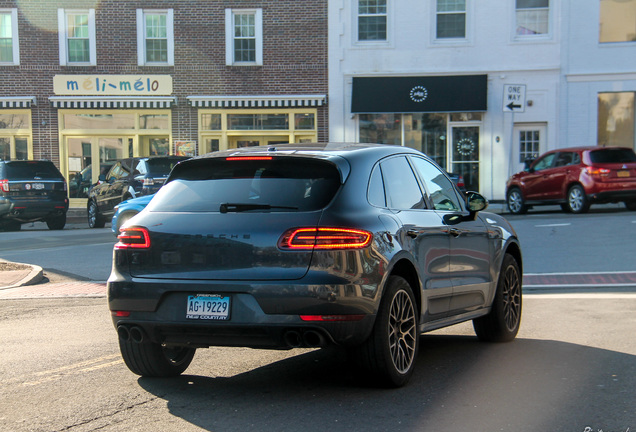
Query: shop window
[[381, 128], [616, 119], [372, 20], [618, 21], [211, 121], [9, 46], [155, 37], [305, 121], [5, 148], [14, 121], [529, 141], [532, 17], [244, 37], [451, 19], [258, 121], [154, 121], [77, 37], [99, 121], [427, 133]]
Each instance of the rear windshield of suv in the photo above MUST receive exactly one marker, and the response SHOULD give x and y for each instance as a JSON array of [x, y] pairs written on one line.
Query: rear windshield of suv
[[613, 156], [30, 170], [277, 184], [158, 167]]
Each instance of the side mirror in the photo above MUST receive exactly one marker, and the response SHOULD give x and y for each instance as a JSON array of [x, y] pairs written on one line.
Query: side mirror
[[527, 163], [475, 202]]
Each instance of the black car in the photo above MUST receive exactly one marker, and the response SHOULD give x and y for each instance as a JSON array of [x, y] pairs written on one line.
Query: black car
[[359, 246], [32, 191], [126, 179]]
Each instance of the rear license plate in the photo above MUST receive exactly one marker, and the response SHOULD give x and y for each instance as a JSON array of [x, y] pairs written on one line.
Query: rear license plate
[[208, 307], [622, 173]]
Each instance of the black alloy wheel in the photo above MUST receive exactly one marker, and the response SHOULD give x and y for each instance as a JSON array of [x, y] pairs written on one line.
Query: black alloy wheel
[[95, 220]]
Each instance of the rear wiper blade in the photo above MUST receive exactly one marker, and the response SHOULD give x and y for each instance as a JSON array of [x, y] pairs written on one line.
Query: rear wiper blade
[[241, 207]]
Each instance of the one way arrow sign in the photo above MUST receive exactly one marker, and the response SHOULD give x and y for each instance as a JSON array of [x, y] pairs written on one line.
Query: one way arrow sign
[[514, 98]]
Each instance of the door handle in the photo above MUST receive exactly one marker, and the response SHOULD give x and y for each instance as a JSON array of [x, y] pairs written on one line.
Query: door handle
[[455, 232]]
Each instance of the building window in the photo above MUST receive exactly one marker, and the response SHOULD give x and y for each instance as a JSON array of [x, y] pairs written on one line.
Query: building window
[[451, 19], [529, 144], [244, 37], [618, 21], [77, 37], [616, 119], [532, 17], [155, 37], [9, 47], [372, 20]]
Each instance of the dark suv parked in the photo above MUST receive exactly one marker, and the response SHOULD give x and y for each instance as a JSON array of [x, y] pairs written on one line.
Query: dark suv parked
[[127, 178], [32, 191]]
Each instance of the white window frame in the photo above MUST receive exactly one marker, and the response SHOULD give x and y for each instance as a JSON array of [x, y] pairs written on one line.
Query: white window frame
[[141, 36], [229, 36], [62, 15], [532, 37], [15, 39], [467, 16], [357, 15]]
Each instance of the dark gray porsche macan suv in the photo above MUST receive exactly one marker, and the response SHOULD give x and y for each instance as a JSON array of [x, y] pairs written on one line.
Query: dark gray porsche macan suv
[[360, 246]]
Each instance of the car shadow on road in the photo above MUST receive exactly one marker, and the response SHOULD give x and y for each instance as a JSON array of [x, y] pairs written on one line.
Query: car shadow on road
[[459, 384]]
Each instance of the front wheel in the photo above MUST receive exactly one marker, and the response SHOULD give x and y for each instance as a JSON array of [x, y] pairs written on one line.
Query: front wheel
[[516, 203], [388, 356], [577, 200], [150, 359], [95, 220], [502, 323]]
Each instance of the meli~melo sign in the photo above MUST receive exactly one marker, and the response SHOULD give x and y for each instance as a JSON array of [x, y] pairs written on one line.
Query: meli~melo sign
[[112, 85]]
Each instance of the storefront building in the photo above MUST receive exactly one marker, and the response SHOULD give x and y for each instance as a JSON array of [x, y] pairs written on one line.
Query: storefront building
[[86, 87]]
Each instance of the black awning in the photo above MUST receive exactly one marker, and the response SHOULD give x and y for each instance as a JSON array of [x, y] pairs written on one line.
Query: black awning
[[419, 94]]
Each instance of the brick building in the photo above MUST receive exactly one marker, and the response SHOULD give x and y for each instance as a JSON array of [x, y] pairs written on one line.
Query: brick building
[[87, 81]]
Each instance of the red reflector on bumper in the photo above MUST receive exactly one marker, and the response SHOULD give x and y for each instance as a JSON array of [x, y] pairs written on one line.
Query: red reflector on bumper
[[120, 313], [331, 317]]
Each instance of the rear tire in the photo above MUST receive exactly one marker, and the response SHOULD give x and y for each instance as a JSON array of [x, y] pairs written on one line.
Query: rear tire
[[502, 323], [515, 201], [95, 219], [11, 226], [577, 201], [57, 222], [150, 359], [388, 356]]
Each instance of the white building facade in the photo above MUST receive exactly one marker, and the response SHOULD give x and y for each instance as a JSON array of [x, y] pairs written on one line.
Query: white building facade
[[482, 85]]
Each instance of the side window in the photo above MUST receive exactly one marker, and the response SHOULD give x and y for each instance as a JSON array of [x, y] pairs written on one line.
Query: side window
[[401, 187], [114, 173], [375, 194], [77, 37], [244, 37], [576, 159], [372, 20], [564, 159], [440, 189], [155, 37], [545, 162]]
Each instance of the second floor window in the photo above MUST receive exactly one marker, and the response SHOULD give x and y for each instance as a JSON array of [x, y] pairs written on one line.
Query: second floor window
[[372, 20], [532, 17], [155, 37], [451, 19], [244, 37], [9, 53], [618, 21], [77, 37]]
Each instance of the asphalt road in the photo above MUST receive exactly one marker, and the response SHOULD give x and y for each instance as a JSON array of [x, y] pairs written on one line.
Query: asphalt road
[[572, 368]]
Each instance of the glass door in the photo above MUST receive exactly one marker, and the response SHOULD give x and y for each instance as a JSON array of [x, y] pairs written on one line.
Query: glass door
[[465, 154]]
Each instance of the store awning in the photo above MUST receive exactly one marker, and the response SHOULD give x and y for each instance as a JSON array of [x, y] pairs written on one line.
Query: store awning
[[274, 101], [419, 94], [111, 102], [17, 102]]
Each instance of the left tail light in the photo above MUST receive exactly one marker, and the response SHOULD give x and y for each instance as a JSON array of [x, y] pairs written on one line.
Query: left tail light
[[4, 185], [604, 172], [324, 238], [133, 238]]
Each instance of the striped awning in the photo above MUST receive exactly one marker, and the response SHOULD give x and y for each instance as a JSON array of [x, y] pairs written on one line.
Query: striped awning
[[17, 102], [273, 101], [111, 102]]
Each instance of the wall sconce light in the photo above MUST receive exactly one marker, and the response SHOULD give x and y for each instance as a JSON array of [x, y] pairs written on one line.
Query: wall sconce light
[[530, 103]]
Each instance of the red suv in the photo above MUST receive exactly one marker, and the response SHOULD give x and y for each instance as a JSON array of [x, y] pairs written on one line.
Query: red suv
[[575, 178]]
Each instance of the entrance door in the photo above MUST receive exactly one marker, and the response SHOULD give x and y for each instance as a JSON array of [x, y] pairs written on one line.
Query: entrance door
[[465, 154]]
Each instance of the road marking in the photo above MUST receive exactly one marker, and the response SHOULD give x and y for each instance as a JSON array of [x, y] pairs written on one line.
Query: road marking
[[552, 225], [588, 296]]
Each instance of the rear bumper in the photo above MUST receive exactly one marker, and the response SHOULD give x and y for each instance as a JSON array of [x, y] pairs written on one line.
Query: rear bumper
[[25, 210], [262, 315], [611, 196]]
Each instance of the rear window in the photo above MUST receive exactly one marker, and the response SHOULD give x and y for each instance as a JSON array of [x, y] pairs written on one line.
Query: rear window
[[276, 184], [623, 155], [157, 167], [29, 170]]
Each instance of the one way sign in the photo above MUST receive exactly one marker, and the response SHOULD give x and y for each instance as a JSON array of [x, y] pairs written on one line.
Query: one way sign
[[514, 98]]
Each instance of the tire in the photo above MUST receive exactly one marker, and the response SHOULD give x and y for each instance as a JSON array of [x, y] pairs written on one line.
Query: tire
[[577, 201], [502, 323], [516, 203], [388, 355], [11, 226], [631, 205], [95, 220], [150, 359], [57, 222]]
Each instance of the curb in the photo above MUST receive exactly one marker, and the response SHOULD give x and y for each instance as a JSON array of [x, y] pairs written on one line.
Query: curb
[[34, 275]]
